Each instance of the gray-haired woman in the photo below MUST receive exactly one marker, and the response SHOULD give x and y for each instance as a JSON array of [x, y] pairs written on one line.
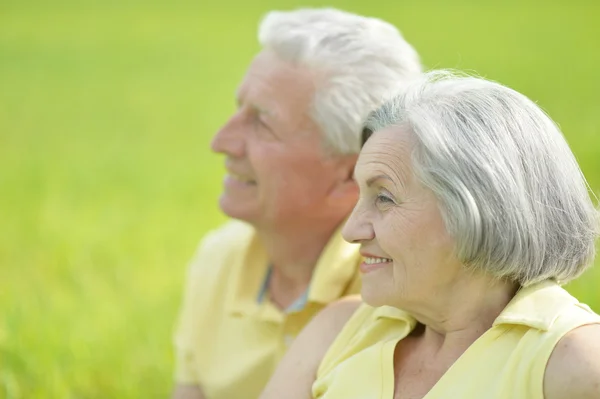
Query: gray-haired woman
[[472, 212]]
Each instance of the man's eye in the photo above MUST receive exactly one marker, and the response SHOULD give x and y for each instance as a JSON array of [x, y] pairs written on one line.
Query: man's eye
[[258, 122]]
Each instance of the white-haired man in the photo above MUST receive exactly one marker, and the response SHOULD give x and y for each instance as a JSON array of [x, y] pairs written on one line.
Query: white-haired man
[[290, 152]]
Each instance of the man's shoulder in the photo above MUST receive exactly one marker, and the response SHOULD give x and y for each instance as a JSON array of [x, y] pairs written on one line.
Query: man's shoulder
[[231, 235], [220, 249], [212, 269]]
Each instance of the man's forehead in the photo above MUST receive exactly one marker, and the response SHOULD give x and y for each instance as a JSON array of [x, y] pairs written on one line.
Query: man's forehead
[[244, 96], [258, 89], [268, 72]]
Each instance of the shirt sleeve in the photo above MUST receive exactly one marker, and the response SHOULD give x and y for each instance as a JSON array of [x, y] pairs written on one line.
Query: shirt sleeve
[[184, 336], [207, 267]]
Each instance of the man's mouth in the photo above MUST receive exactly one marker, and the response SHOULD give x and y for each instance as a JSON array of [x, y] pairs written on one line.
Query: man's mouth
[[242, 178]]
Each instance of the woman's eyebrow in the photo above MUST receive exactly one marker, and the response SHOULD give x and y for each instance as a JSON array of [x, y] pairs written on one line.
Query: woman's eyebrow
[[373, 179]]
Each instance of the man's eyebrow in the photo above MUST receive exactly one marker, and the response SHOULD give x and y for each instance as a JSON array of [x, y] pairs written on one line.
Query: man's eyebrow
[[261, 110]]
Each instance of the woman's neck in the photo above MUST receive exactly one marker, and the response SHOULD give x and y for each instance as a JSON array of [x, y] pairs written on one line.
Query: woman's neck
[[458, 317]]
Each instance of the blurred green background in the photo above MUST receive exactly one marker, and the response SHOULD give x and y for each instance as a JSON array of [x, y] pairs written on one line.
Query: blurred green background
[[106, 178]]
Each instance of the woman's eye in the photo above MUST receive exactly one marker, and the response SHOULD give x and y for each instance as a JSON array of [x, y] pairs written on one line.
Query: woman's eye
[[384, 199]]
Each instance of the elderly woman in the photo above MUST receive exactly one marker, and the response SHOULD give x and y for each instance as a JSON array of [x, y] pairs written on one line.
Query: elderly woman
[[472, 212]]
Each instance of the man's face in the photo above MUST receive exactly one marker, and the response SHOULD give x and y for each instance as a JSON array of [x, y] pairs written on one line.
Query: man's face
[[277, 171]]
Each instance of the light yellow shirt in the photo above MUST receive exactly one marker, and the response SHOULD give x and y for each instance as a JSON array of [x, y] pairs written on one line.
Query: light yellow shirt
[[508, 361], [230, 337]]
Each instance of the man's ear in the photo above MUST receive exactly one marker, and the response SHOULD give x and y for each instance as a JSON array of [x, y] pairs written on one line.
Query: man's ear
[[346, 187]]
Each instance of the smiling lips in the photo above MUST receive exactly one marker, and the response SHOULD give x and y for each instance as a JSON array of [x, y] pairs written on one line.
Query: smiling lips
[[242, 178], [237, 180], [372, 263]]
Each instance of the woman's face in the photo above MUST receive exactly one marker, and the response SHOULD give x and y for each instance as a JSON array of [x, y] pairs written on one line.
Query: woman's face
[[409, 255]]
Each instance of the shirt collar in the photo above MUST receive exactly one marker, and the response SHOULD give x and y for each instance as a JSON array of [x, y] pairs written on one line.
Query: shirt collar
[[335, 269], [536, 306], [390, 312], [249, 271], [298, 304], [333, 272]]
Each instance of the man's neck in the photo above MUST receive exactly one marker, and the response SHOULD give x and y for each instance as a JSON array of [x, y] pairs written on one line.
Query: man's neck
[[294, 252]]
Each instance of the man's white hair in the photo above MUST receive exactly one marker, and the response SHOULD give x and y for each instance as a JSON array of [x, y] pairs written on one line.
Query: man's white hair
[[363, 61], [510, 190]]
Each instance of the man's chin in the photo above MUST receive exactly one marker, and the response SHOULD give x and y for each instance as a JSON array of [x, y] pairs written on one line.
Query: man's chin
[[236, 210]]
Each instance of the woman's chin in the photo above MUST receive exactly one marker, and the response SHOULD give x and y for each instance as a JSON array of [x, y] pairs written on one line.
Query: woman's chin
[[378, 287], [373, 296]]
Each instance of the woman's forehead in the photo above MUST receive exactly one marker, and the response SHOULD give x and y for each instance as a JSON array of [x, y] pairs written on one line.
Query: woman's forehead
[[387, 151], [398, 136]]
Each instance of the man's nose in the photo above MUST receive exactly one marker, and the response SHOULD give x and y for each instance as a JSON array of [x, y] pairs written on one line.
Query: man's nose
[[230, 139]]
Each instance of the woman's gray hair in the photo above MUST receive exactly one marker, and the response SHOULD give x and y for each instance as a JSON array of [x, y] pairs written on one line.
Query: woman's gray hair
[[362, 60], [510, 190]]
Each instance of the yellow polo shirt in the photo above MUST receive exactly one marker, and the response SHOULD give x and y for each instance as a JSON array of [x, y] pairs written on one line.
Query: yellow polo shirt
[[508, 361], [230, 337]]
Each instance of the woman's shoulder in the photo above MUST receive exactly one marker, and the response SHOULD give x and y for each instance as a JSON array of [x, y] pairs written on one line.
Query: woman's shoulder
[[573, 367], [573, 370], [294, 375], [345, 313], [346, 317], [337, 313], [328, 322]]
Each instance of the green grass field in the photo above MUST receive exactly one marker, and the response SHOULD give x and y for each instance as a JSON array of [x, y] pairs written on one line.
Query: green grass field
[[107, 182]]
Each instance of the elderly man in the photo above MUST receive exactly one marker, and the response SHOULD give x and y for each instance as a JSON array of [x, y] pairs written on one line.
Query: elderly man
[[290, 150]]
